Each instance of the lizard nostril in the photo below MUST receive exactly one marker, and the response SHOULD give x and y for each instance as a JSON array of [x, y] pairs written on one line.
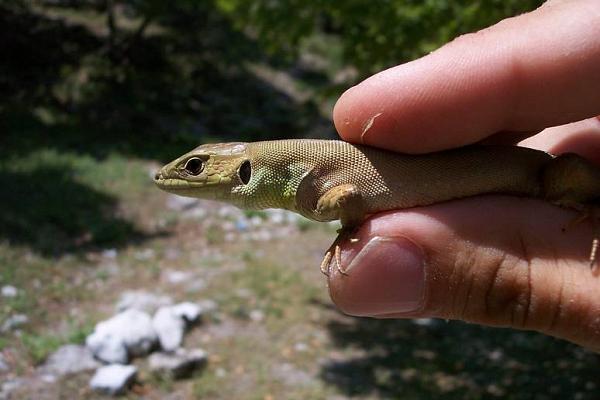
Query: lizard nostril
[[157, 176]]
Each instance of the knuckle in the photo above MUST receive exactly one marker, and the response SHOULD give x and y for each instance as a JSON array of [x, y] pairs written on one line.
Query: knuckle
[[495, 289]]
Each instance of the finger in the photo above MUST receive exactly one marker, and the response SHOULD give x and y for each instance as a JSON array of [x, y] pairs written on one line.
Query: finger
[[526, 73], [582, 137], [441, 261]]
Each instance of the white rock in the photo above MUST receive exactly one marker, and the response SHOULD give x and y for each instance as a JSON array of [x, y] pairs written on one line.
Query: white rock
[[257, 315], [47, 378], [108, 348], [178, 364], [128, 333], [190, 312], [14, 321], [3, 364], [110, 253], [9, 291], [113, 379], [180, 203], [176, 277], [142, 300], [145, 254], [70, 359], [10, 386], [301, 347], [169, 327]]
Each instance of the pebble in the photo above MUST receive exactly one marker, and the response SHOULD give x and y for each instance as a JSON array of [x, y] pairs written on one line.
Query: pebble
[[3, 364], [180, 203], [14, 321], [178, 364], [257, 315], [188, 311], [169, 327], [9, 291], [142, 300], [129, 333], [144, 255], [70, 359], [113, 379], [176, 277], [110, 253]]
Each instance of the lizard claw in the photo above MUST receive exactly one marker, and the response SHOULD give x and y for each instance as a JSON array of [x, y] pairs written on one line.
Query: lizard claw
[[334, 253], [325, 263]]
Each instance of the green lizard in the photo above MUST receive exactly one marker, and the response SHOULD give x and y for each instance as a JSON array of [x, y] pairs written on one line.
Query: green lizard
[[326, 180]]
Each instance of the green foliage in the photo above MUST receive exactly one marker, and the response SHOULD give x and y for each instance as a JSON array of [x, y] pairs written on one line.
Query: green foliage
[[374, 35], [41, 345]]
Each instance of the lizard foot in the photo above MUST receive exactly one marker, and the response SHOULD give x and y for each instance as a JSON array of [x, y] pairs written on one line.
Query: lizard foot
[[334, 252]]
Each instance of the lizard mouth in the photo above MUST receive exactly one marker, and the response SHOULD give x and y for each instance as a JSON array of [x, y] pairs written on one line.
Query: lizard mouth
[[172, 184]]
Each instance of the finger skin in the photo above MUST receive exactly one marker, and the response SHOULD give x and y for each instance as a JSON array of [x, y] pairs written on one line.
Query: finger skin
[[505, 272], [581, 137], [526, 73]]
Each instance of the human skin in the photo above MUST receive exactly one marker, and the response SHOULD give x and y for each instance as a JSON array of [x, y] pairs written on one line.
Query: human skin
[[492, 260]]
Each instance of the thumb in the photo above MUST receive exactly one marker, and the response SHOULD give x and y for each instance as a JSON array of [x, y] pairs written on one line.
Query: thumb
[[492, 260]]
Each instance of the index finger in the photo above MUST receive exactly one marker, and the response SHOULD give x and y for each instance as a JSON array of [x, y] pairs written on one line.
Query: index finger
[[525, 73]]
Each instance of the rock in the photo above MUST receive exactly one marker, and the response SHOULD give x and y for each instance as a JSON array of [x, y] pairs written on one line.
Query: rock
[[190, 312], [10, 386], [14, 321], [178, 364], [180, 203], [144, 255], [3, 364], [256, 315], [9, 291], [169, 327], [176, 277], [129, 333], [142, 300], [110, 254], [108, 348], [301, 347], [70, 359], [113, 379]]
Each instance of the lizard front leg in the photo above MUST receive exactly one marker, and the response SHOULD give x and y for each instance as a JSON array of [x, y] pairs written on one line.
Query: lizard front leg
[[343, 202]]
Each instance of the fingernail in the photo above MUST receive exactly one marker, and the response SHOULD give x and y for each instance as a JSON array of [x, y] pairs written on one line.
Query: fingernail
[[394, 270]]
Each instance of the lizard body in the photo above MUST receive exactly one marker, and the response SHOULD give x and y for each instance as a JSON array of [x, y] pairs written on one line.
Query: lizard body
[[326, 180]]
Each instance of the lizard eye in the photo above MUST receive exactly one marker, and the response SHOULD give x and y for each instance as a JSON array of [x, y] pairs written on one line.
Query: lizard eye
[[245, 172], [194, 166]]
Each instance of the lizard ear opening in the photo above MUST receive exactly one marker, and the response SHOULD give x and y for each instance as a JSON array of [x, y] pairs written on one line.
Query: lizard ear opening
[[245, 172]]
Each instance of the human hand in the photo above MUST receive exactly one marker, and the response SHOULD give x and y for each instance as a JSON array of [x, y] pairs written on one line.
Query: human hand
[[493, 260]]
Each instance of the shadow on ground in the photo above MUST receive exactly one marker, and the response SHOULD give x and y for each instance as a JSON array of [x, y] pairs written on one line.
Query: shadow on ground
[[50, 212], [453, 360]]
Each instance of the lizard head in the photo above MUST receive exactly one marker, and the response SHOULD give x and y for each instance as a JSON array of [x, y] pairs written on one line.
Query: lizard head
[[210, 171]]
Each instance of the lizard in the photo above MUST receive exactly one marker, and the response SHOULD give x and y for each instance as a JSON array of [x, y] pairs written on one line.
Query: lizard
[[326, 180]]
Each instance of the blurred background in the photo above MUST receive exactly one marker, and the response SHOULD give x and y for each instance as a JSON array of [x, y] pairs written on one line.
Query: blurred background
[[97, 94]]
